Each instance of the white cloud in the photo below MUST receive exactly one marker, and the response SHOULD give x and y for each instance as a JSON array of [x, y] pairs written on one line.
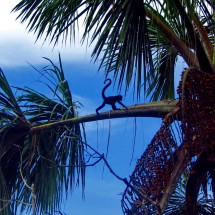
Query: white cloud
[[17, 46], [18, 51], [7, 21]]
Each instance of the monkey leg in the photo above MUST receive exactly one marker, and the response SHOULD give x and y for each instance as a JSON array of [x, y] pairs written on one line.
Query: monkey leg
[[100, 107]]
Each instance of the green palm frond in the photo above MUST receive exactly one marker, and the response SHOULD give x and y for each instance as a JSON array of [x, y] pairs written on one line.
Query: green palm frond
[[130, 35], [39, 108], [177, 202], [13, 122], [123, 41], [8, 102], [161, 82], [51, 160], [14, 127], [51, 18]]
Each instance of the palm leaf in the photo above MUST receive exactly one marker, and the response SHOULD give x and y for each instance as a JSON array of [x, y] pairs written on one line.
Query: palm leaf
[[13, 130], [35, 158], [52, 18], [122, 39], [128, 43], [177, 203], [161, 82]]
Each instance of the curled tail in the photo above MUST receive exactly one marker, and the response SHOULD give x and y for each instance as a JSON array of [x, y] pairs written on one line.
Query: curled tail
[[105, 87]]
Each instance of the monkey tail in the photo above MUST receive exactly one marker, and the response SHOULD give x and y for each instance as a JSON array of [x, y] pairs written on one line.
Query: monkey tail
[[105, 87]]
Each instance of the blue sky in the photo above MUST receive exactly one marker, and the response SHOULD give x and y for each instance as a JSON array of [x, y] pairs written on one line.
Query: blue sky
[[102, 193]]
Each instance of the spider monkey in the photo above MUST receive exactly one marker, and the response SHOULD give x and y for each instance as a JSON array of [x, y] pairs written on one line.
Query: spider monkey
[[110, 100]]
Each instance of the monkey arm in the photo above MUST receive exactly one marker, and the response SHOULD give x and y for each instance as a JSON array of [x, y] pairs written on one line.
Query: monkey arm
[[122, 104]]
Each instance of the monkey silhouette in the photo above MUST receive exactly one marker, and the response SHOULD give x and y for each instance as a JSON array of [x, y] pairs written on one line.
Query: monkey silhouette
[[110, 100]]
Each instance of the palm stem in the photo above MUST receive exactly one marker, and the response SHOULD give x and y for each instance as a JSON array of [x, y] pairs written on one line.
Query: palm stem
[[204, 37], [183, 49], [178, 170], [204, 62], [152, 109]]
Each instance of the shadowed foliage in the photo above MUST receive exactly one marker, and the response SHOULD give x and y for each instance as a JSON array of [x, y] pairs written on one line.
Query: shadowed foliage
[[184, 145], [33, 159], [137, 40], [140, 42]]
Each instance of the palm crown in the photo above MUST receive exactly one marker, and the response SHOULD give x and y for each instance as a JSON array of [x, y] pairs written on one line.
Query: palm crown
[[139, 41]]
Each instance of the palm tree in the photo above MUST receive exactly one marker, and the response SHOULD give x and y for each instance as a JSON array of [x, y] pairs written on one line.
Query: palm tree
[[42, 140], [139, 41], [28, 158]]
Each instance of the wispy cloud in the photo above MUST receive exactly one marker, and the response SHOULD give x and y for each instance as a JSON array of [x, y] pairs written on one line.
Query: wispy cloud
[[17, 46]]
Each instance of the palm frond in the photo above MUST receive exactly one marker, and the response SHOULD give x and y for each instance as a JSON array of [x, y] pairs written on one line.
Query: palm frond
[[14, 127], [125, 42], [122, 40], [53, 155], [161, 82], [50, 18], [177, 203]]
